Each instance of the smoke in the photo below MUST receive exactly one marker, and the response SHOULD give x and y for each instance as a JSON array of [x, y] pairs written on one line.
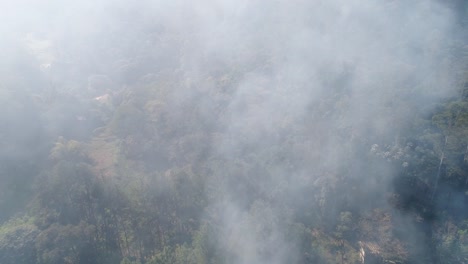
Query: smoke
[[293, 94], [338, 76]]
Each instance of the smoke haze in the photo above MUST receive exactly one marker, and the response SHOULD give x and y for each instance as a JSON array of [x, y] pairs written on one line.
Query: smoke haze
[[296, 117]]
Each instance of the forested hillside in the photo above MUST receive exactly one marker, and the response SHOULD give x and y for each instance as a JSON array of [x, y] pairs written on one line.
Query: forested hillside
[[234, 132]]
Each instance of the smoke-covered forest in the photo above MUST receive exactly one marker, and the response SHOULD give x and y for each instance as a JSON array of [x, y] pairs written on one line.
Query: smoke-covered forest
[[234, 132]]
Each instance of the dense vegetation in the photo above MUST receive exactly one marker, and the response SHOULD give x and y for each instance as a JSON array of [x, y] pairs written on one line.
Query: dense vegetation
[[150, 140]]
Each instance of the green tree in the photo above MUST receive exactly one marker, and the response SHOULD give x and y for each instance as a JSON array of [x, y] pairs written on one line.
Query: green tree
[[17, 241]]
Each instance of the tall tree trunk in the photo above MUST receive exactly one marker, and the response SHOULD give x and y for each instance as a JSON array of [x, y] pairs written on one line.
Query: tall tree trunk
[[442, 157]]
